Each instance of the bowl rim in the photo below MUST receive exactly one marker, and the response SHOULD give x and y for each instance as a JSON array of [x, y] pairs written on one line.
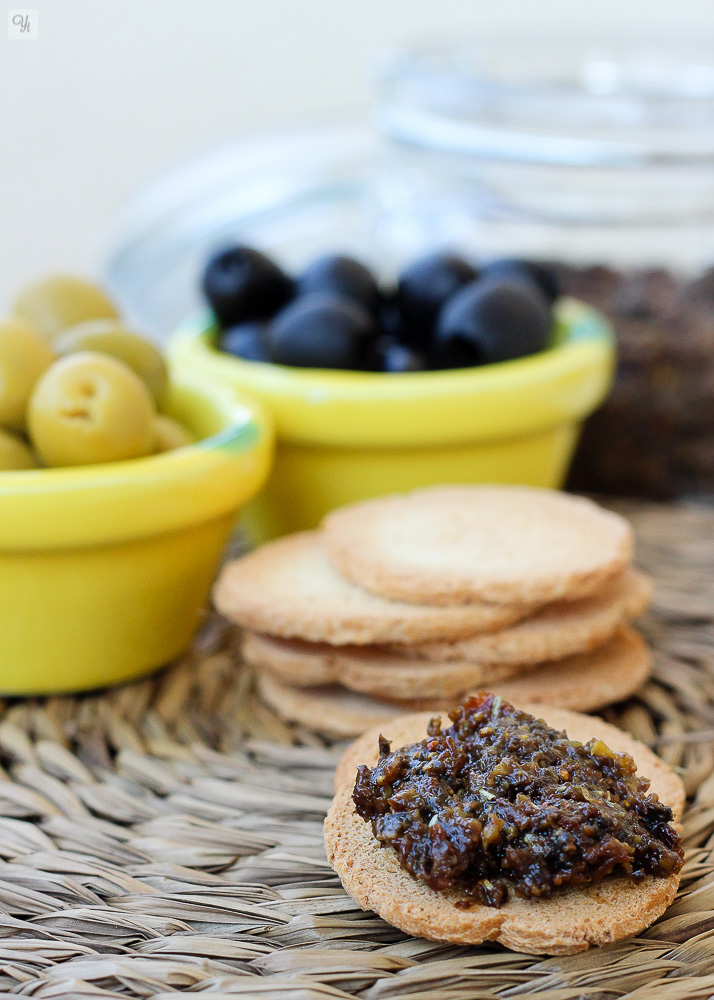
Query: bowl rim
[[246, 420], [378, 410], [63, 508], [575, 323]]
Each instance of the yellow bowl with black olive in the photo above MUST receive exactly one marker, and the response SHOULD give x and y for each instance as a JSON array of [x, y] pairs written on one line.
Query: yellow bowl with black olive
[[343, 436]]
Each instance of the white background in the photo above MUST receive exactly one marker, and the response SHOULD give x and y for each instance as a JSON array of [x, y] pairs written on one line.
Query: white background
[[116, 91]]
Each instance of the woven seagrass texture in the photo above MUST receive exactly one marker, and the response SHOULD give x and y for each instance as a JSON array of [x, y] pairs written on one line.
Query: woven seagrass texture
[[166, 837]]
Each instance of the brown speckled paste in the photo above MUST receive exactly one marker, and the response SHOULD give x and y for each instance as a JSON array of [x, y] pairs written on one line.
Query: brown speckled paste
[[499, 801]]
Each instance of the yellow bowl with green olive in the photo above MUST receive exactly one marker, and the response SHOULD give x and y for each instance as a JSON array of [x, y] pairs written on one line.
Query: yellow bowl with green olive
[[119, 487]]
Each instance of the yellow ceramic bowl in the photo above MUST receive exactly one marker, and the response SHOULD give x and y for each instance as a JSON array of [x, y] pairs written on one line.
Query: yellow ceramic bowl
[[344, 436], [105, 569]]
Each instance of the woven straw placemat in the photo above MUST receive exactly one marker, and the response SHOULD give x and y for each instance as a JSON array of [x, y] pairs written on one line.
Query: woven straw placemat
[[166, 837]]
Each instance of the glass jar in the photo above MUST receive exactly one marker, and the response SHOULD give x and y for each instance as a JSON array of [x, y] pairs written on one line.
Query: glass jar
[[598, 158], [601, 161]]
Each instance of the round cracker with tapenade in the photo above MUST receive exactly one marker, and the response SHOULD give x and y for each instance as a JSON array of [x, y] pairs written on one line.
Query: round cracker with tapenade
[[562, 924], [289, 588], [449, 545]]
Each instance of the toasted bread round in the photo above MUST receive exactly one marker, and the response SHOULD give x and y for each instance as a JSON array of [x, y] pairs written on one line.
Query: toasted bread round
[[588, 681], [289, 588], [562, 924], [556, 630], [370, 669], [455, 544]]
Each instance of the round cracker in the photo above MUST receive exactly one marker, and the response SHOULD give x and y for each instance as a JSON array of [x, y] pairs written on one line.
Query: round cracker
[[451, 545], [370, 669], [588, 681], [555, 631], [331, 710], [563, 924], [289, 588]]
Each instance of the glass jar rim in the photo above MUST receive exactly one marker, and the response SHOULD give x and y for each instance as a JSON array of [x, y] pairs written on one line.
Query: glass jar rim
[[568, 101]]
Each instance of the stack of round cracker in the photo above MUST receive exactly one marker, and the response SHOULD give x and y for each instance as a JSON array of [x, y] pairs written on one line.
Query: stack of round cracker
[[411, 601]]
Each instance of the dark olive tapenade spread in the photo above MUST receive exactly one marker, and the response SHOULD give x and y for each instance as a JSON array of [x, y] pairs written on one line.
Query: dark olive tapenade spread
[[501, 801]]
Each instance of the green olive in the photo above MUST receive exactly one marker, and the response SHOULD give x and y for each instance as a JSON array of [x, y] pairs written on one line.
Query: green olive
[[90, 408], [54, 303], [24, 356], [14, 453], [107, 336], [170, 434]]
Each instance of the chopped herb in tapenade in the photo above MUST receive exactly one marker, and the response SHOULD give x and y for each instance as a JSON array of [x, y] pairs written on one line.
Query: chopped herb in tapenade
[[499, 800]]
